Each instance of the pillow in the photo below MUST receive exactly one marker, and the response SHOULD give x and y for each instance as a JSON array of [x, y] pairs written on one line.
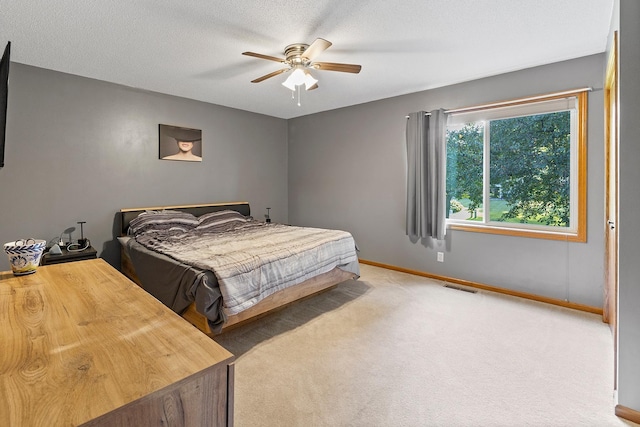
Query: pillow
[[162, 220], [220, 221]]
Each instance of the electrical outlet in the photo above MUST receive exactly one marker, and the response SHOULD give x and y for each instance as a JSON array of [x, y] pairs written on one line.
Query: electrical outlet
[[440, 256]]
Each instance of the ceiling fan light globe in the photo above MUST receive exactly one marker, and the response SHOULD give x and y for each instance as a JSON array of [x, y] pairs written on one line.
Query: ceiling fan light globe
[[309, 81], [289, 85], [297, 77]]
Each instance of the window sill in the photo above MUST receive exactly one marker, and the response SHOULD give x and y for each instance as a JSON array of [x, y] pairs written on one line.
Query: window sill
[[519, 232]]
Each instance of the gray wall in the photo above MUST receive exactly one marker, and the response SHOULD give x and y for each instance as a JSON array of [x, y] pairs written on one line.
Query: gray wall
[[79, 150], [627, 21], [347, 169]]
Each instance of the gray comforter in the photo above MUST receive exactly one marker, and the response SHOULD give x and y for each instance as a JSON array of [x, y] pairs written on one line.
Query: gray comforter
[[255, 260]]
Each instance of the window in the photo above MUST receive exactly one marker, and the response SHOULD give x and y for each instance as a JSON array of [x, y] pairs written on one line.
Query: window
[[519, 168]]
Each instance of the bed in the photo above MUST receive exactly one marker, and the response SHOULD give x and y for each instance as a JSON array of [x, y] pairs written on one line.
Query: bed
[[218, 267]]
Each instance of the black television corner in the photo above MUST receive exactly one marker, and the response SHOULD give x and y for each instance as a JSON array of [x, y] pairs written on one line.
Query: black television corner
[[4, 96]]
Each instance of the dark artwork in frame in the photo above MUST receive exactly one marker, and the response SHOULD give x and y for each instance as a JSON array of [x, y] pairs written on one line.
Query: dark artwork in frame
[[4, 96], [179, 143]]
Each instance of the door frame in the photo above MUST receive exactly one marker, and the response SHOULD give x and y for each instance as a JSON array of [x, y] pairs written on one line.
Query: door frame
[[611, 108]]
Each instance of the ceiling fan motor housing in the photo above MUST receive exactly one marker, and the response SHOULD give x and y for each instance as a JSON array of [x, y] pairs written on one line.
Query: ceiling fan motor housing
[[293, 54]]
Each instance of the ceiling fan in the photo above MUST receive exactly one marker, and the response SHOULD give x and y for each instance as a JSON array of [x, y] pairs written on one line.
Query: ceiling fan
[[299, 59]]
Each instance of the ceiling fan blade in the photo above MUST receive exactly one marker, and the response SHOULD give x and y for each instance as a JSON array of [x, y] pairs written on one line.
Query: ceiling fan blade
[[333, 66], [315, 86], [261, 56], [315, 49], [268, 76]]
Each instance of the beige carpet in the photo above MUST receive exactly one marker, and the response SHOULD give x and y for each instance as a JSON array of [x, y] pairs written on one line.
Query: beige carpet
[[392, 349]]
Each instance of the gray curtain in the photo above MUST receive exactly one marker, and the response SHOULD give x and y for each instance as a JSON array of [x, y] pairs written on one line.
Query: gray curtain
[[426, 174]]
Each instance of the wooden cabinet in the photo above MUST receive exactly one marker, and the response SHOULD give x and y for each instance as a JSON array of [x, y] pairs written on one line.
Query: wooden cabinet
[[80, 344]]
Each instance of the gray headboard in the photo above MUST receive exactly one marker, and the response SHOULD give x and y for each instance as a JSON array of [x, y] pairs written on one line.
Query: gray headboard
[[126, 215]]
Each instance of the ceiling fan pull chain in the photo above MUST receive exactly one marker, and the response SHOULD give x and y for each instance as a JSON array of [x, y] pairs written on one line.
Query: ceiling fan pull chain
[[298, 90]]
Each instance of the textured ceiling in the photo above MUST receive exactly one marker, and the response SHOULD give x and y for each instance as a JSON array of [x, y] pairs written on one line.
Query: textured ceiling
[[192, 48]]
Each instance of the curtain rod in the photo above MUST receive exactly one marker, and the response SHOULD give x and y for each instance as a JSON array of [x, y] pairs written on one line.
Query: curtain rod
[[515, 101]]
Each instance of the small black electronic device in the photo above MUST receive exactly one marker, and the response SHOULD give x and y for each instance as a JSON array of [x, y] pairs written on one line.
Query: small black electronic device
[[82, 242]]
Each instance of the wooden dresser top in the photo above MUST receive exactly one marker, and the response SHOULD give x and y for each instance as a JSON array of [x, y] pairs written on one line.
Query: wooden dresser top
[[79, 340]]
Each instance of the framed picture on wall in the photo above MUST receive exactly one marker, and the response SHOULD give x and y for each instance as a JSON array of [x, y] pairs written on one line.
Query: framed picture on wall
[[178, 143]]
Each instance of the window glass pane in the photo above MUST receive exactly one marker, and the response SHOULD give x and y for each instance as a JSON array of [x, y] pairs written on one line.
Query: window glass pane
[[464, 171], [530, 169]]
